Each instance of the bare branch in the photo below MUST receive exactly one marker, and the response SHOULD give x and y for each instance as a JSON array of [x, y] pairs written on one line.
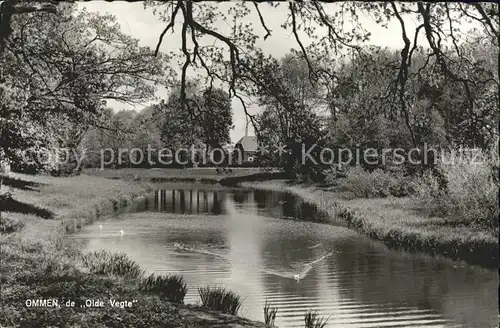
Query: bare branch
[[291, 6], [480, 9], [331, 30], [417, 30], [186, 54], [425, 12], [451, 29]]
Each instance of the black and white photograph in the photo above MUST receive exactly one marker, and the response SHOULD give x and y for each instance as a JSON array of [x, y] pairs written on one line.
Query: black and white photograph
[[249, 164]]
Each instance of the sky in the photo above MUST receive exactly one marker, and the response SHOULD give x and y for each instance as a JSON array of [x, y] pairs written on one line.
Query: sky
[[140, 23]]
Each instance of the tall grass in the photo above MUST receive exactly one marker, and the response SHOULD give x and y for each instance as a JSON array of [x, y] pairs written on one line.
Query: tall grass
[[220, 299], [172, 288], [108, 263], [269, 314], [313, 320], [462, 190]]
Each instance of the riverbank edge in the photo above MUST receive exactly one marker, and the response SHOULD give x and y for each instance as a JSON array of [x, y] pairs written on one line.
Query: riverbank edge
[[399, 237], [72, 222]]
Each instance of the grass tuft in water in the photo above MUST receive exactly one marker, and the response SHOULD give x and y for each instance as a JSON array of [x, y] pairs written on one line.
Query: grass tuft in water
[[313, 320], [170, 287], [269, 314], [115, 264], [220, 299]]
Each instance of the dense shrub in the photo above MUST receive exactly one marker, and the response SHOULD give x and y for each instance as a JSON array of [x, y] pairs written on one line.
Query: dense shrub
[[377, 183], [470, 193], [115, 264], [66, 170], [334, 175], [220, 299], [269, 314], [172, 288]]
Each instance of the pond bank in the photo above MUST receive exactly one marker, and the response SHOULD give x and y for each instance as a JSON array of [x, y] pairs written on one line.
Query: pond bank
[[398, 223], [37, 265]]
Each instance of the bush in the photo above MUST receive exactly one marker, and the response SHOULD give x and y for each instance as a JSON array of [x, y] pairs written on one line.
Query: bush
[[220, 299], [26, 168], [469, 194], [312, 320], [269, 314], [172, 288], [115, 264], [376, 183]]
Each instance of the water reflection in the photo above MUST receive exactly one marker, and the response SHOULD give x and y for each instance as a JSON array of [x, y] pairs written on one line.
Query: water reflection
[[278, 204], [238, 239], [203, 201]]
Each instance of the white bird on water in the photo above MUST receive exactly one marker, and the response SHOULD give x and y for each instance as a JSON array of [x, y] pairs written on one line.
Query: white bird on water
[[100, 226], [122, 232]]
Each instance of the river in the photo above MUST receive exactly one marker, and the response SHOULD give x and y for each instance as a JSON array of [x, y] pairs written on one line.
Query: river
[[254, 243]]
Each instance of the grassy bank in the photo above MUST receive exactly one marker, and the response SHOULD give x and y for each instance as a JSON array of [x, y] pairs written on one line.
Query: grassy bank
[[36, 264], [398, 222]]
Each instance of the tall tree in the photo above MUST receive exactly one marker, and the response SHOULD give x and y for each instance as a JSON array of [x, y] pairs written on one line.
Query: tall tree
[[291, 104], [207, 120]]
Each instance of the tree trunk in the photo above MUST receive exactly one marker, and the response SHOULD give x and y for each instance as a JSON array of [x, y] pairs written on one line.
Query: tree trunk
[[1, 196]]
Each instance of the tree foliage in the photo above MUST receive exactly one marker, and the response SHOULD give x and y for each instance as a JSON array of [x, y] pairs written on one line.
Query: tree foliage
[[438, 23], [290, 101], [59, 70]]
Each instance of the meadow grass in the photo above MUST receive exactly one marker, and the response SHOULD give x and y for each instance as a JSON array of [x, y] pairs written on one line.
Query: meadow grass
[[220, 299], [398, 222], [170, 287]]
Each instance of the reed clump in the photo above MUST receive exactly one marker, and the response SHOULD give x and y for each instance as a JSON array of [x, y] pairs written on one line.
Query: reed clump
[[270, 314], [220, 299], [114, 264]]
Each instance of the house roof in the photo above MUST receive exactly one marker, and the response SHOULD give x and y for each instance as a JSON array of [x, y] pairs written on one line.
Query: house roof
[[248, 143]]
